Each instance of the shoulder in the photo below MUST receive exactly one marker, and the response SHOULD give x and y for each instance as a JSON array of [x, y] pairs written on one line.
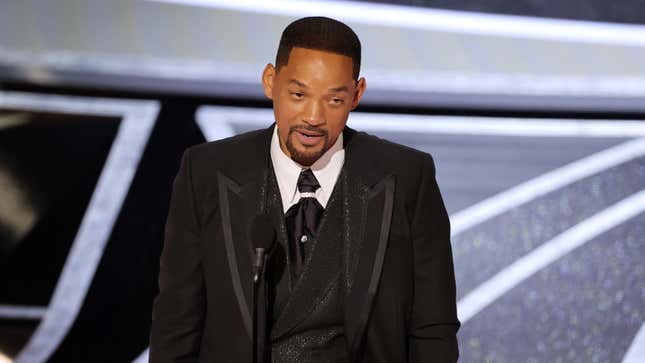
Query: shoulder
[[218, 148], [238, 150], [232, 155], [391, 156], [413, 170]]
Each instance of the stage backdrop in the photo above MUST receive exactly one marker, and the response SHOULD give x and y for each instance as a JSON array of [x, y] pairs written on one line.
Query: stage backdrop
[[535, 124]]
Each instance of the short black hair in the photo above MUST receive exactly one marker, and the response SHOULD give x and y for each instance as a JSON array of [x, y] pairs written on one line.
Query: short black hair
[[320, 33]]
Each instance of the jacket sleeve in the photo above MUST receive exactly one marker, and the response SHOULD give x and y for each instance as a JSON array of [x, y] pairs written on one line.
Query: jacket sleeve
[[178, 310], [433, 320]]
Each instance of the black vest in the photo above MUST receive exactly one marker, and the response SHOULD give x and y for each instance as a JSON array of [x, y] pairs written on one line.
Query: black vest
[[308, 314]]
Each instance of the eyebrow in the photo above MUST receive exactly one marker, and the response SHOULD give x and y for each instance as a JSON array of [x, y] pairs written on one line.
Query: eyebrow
[[333, 89], [298, 83], [339, 89]]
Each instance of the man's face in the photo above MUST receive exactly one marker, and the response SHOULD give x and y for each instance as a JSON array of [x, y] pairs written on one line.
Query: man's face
[[312, 97]]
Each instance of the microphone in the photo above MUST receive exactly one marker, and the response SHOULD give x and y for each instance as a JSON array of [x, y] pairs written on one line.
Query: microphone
[[262, 237]]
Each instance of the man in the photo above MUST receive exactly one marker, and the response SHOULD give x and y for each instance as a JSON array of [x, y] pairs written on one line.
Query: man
[[362, 269]]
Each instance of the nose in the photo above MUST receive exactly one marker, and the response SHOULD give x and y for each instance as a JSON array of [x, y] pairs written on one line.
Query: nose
[[314, 113]]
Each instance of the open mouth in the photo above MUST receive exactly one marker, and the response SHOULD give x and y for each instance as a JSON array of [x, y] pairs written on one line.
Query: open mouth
[[309, 138], [308, 133]]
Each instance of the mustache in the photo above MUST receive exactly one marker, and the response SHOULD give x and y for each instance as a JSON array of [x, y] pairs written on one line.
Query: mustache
[[308, 128]]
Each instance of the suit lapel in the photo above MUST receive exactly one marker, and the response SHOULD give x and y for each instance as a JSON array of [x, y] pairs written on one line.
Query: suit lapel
[[242, 195], [235, 203], [369, 212]]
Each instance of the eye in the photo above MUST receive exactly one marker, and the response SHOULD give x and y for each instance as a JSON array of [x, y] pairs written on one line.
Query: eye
[[297, 95], [337, 101]]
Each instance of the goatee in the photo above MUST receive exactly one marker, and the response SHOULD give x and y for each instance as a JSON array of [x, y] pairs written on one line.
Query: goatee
[[303, 157]]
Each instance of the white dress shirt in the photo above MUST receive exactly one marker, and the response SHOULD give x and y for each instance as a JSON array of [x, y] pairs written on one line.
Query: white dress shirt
[[326, 170]]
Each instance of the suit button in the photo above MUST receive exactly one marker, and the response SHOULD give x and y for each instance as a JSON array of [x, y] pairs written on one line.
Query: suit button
[[304, 238]]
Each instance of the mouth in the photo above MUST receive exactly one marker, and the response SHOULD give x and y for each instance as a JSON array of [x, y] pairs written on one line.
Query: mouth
[[309, 138], [309, 133]]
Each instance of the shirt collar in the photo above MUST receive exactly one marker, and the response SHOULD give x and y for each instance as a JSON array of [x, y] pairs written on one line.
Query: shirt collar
[[326, 170]]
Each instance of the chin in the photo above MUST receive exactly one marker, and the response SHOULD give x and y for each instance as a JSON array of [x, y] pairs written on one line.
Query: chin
[[305, 157]]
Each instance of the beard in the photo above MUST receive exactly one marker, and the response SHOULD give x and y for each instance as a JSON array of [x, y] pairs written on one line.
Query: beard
[[308, 155]]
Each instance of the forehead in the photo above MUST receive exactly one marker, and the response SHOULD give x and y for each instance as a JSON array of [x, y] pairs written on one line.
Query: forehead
[[314, 65]]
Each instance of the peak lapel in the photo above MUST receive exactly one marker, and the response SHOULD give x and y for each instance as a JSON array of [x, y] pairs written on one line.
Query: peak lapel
[[239, 202], [370, 203]]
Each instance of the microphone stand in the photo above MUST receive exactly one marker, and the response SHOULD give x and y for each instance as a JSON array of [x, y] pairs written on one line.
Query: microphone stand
[[259, 309]]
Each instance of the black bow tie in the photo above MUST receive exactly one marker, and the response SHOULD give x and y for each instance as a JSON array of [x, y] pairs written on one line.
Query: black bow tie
[[302, 220]]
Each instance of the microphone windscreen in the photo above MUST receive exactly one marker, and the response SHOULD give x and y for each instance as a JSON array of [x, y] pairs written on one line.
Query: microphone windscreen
[[262, 232]]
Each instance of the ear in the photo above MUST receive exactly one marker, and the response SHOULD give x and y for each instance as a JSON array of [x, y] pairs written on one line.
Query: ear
[[268, 77], [360, 89]]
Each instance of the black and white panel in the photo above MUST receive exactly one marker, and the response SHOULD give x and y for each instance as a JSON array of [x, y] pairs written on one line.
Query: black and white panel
[[66, 165]]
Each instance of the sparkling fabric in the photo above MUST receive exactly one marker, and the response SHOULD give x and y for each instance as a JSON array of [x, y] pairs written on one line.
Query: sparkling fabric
[[320, 338], [318, 335]]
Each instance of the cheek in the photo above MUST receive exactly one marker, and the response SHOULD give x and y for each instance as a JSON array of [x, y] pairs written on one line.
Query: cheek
[[285, 113], [337, 120]]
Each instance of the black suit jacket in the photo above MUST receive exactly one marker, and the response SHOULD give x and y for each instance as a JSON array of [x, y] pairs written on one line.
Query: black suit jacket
[[401, 305]]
